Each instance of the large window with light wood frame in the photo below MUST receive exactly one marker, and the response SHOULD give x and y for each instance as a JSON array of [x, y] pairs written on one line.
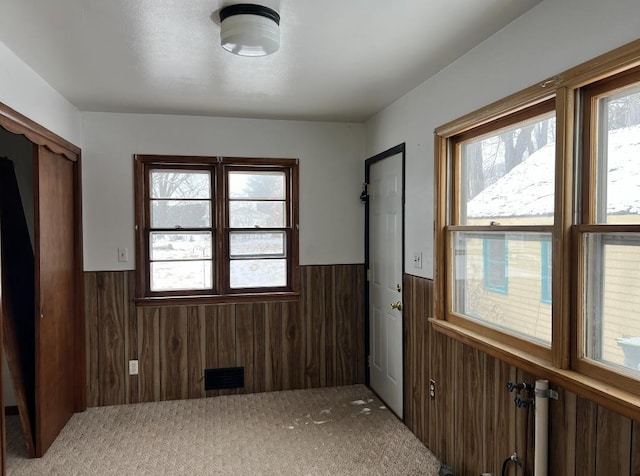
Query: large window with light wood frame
[[502, 209], [218, 228], [551, 174], [607, 238]]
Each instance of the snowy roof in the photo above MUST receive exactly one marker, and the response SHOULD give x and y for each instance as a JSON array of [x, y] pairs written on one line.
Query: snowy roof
[[528, 189]]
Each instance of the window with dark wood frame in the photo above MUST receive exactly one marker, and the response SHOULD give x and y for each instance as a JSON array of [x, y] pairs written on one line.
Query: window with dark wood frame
[[216, 228]]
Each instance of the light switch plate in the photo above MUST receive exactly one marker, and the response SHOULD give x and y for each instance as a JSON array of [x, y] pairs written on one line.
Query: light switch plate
[[417, 259]]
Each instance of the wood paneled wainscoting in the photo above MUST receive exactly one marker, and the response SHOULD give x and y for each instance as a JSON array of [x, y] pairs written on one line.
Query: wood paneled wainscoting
[[472, 423], [314, 342]]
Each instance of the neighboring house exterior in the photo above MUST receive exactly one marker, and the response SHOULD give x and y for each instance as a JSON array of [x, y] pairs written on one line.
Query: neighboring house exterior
[[508, 282]]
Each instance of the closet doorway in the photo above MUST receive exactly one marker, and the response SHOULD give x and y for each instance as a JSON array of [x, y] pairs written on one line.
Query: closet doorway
[[43, 330]]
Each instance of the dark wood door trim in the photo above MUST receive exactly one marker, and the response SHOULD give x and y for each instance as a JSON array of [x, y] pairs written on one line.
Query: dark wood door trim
[[15, 122]]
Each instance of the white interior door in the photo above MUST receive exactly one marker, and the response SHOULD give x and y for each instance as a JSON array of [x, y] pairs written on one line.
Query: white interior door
[[385, 280]]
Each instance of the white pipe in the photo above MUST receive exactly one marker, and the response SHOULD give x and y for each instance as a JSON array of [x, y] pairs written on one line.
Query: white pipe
[[541, 449]]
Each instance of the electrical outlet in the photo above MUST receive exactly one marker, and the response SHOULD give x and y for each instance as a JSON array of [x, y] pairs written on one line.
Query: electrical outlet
[[417, 259], [432, 388], [123, 255], [133, 367]]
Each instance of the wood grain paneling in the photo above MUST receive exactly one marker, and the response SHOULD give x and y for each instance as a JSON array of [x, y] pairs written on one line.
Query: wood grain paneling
[[197, 351], [473, 425], [211, 342], [244, 344], [613, 443], [586, 427], [562, 441], [318, 341], [273, 347], [259, 348], [131, 337], [635, 449], [313, 307], [148, 357], [173, 353], [92, 339], [293, 347], [226, 343], [111, 295], [347, 342]]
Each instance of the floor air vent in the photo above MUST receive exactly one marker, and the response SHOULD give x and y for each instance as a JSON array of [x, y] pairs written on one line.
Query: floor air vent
[[217, 379]]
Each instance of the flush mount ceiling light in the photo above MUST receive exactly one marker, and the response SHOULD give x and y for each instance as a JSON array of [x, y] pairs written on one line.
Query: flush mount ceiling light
[[249, 30]]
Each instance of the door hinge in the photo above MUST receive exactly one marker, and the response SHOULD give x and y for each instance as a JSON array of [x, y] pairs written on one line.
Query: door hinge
[[368, 361], [368, 274]]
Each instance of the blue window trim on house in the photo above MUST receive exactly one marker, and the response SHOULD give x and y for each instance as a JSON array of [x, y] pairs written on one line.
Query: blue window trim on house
[[545, 271], [492, 261]]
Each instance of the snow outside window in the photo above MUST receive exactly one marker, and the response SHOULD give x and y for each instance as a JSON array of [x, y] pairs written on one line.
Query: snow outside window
[[611, 243], [503, 189], [214, 227]]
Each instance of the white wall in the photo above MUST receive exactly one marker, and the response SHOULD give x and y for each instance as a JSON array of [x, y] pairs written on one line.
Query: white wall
[[24, 90], [551, 38], [331, 173]]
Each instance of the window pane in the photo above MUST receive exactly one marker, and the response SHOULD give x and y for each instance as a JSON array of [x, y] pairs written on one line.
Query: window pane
[[257, 185], [516, 308], [618, 169], [247, 214], [495, 264], [508, 176], [258, 273], [167, 183], [180, 246], [257, 244], [181, 275], [180, 213], [545, 270], [612, 299]]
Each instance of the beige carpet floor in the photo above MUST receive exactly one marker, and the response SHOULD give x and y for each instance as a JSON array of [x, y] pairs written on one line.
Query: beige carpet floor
[[331, 431]]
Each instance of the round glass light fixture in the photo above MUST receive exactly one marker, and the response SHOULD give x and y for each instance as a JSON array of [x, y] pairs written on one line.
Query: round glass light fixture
[[249, 30]]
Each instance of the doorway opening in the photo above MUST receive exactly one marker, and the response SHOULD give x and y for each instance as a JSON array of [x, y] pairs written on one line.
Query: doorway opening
[[41, 242]]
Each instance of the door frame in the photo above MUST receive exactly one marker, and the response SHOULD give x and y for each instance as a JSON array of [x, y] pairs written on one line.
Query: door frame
[[16, 123], [398, 149]]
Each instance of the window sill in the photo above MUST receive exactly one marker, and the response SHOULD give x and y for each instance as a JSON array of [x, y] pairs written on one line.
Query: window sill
[[216, 299], [613, 398]]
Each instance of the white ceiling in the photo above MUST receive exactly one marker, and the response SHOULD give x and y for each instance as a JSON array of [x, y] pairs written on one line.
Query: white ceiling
[[339, 60]]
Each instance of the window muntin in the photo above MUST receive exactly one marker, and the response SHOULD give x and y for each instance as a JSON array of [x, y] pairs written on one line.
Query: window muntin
[[211, 227], [513, 308]]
